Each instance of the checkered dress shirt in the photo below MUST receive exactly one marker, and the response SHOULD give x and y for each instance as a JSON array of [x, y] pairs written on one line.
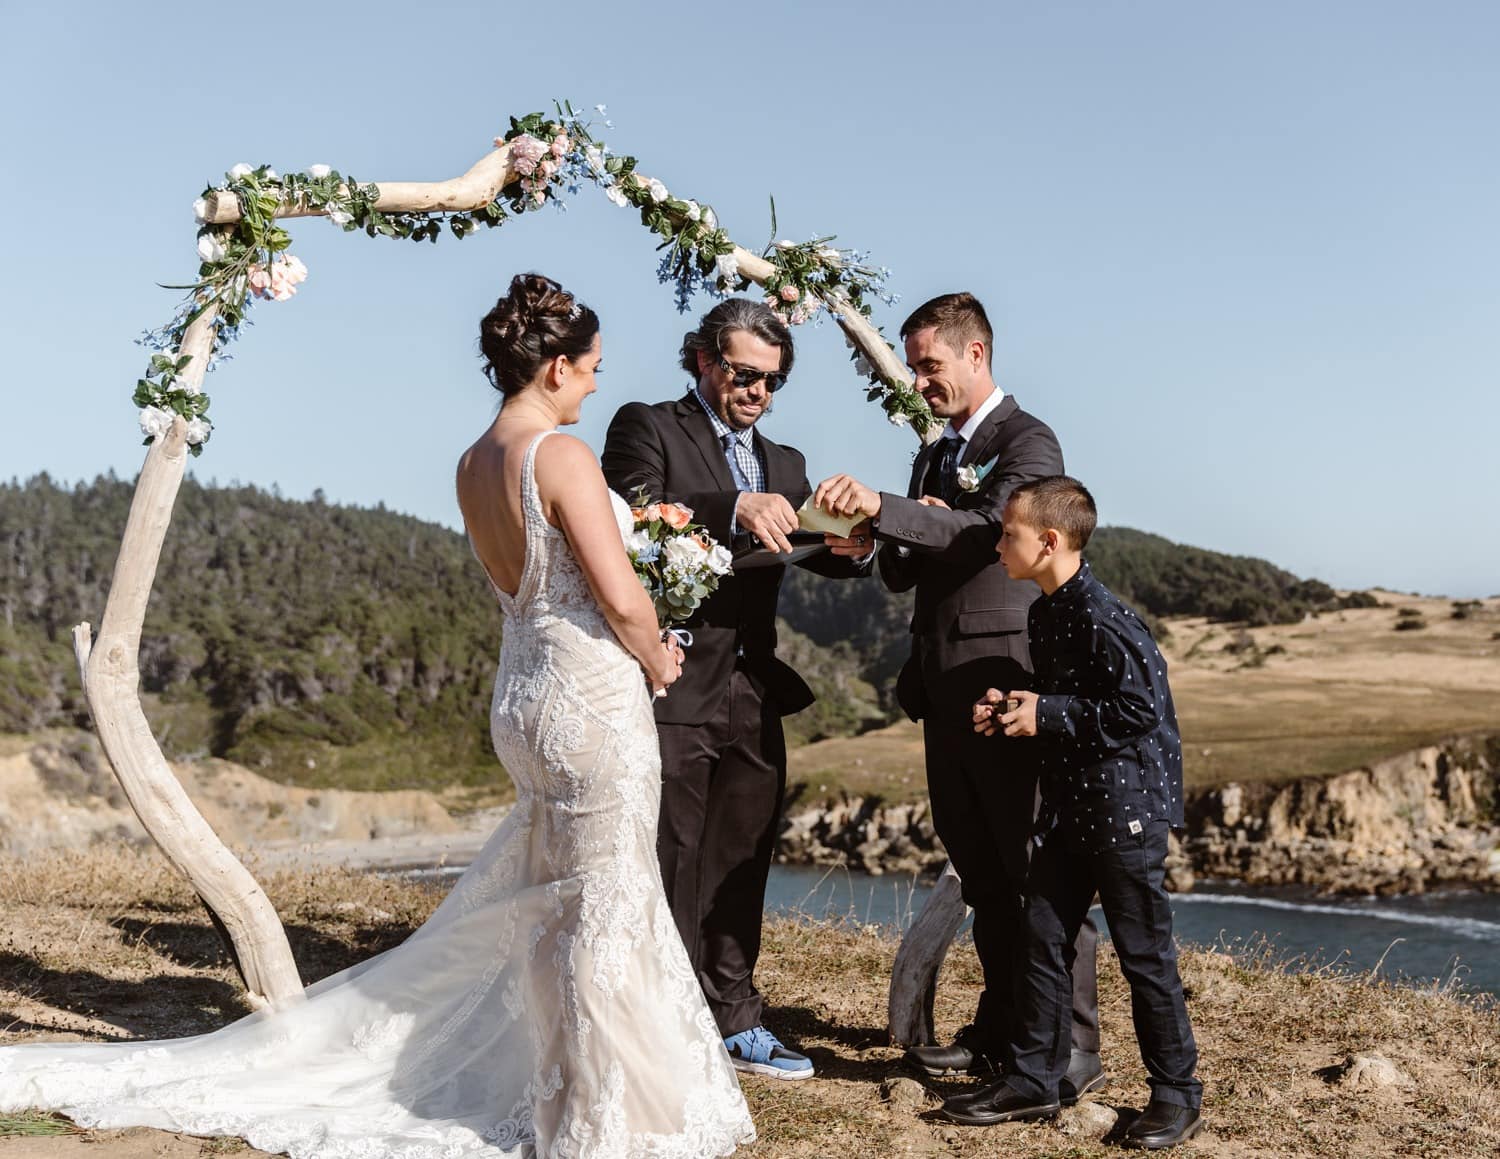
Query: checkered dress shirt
[[746, 457]]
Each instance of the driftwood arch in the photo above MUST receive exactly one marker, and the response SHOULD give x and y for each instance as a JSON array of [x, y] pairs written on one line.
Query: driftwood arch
[[108, 661]]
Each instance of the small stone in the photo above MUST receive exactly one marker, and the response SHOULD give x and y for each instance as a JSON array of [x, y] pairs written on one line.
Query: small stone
[[1372, 1072], [1087, 1120], [903, 1093]]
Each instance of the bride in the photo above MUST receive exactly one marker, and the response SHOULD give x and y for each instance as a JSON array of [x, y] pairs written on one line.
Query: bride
[[547, 1008]]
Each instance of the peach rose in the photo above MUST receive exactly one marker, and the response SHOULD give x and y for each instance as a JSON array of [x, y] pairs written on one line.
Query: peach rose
[[790, 293], [675, 515]]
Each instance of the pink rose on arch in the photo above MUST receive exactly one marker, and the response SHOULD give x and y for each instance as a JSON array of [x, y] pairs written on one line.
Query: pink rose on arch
[[548, 167], [525, 152], [259, 281], [561, 145], [790, 293]]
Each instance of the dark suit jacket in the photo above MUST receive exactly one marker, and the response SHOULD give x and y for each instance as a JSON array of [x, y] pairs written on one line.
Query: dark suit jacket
[[668, 450], [967, 608]]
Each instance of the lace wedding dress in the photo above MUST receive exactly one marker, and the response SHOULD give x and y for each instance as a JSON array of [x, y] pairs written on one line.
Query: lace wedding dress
[[547, 1009]]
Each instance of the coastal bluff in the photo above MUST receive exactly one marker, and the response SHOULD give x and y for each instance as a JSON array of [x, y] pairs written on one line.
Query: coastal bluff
[[1421, 819]]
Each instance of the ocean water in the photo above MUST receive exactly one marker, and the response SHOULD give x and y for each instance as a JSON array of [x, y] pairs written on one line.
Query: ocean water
[[1426, 939], [1443, 939]]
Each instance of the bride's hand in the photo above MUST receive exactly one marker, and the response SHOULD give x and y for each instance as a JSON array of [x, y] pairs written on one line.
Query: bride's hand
[[668, 667]]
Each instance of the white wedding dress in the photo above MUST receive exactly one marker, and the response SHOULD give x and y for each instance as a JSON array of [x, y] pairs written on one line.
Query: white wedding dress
[[547, 1009]]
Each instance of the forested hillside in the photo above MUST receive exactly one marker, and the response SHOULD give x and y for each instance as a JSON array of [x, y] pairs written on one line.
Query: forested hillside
[[337, 645]]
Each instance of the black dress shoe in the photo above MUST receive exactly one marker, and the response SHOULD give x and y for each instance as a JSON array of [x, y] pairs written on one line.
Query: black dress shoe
[[1085, 1074], [996, 1103], [969, 1053], [1162, 1125]]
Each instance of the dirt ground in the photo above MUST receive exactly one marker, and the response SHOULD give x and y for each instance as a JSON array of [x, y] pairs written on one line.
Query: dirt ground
[[111, 945]]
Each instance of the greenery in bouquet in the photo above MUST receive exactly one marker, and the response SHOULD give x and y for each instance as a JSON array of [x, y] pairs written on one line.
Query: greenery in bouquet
[[677, 561]]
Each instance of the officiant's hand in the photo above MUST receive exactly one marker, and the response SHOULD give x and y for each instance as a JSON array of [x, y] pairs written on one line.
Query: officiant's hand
[[858, 544], [767, 516], [846, 495], [990, 715]]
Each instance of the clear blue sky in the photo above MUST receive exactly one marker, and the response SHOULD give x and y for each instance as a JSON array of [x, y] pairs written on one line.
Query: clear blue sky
[[1245, 258]]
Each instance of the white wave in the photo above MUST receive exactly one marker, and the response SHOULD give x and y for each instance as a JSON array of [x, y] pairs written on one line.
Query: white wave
[[1475, 928]]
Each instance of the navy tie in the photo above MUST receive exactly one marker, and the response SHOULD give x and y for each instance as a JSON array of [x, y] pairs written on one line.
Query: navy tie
[[946, 466]]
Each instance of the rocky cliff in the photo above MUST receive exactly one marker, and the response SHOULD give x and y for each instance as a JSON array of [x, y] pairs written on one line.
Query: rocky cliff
[[1420, 820], [59, 793]]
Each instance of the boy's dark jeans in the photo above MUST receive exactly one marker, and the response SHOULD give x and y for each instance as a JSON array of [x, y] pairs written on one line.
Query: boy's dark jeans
[[1129, 879]]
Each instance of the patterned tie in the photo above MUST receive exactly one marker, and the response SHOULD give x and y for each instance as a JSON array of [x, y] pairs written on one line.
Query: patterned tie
[[945, 465], [734, 463]]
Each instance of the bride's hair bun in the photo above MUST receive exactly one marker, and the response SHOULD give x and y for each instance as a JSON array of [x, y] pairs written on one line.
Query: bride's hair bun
[[535, 322]]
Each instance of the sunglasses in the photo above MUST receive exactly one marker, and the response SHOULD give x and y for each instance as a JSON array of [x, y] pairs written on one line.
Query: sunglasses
[[743, 376]]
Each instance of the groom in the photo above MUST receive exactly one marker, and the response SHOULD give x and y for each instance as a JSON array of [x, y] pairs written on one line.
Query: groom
[[968, 631], [723, 754]]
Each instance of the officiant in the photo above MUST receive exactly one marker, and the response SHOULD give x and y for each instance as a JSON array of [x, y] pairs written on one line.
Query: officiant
[[722, 747]]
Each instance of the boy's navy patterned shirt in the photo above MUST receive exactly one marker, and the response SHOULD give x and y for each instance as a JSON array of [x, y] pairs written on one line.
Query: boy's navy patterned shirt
[[1113, 762]]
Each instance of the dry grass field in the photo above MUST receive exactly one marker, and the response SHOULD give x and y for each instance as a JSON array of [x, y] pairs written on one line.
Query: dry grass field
[[112, 945], [1268, 704]]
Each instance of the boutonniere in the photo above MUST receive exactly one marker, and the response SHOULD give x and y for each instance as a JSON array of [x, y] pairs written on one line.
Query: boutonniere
[[969, 478]]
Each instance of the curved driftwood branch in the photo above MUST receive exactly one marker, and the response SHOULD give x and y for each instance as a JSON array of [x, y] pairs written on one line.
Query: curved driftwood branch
[[864, 336], [474, 190], [112, 686], [915, 970]]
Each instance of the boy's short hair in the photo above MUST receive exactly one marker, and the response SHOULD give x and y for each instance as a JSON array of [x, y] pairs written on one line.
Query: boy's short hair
[[1060, 502], [958, 319]]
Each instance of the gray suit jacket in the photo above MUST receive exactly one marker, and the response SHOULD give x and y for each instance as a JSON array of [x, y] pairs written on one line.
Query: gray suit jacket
[[967, 609]]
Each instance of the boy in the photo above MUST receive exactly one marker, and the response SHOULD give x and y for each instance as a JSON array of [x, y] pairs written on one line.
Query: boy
[[1112, 788]]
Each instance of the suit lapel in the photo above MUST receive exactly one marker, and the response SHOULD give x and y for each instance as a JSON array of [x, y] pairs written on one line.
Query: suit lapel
[[919, 469], [780, 475], [985, 443], [695, 423]]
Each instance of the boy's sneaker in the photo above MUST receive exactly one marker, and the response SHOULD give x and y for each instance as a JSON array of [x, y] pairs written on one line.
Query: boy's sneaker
[[758, 1051]]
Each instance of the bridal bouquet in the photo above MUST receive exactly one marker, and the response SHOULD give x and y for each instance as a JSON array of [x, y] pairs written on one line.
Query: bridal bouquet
[[675, 559]]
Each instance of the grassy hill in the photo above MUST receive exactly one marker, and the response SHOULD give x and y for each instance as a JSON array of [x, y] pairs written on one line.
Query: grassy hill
[[353, 647]]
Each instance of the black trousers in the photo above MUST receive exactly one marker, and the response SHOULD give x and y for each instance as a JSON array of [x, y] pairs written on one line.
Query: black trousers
[[722, 788], [984, 802], [1129, 878]]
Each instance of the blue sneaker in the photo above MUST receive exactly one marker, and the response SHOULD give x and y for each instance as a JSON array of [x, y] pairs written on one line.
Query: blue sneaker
[[758, 1051]]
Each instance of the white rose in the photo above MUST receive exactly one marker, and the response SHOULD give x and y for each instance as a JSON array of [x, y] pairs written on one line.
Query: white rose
[[617, 195], [720, 562], [198, 431], [318, 172], [658, 190], [240, 171], [210, 248], [728, 267], [272, 175], [155, 422], [637, 541], [968, 478], [200, 209], [683, 552], [898, 419], [828, 254], [694, 211], [709, 219], [339, 216]]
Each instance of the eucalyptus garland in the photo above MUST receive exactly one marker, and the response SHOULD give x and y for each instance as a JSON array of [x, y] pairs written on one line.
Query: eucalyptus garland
[[552, 156]]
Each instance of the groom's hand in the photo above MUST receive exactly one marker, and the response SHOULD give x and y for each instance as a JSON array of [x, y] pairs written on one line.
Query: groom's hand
[[767, 516], [858, 544], [846, 495]]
